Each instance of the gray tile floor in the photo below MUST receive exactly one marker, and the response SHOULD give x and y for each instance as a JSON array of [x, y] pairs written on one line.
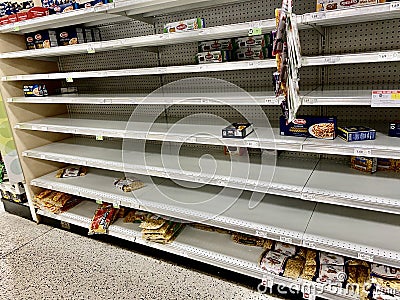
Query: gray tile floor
[[39, 262]]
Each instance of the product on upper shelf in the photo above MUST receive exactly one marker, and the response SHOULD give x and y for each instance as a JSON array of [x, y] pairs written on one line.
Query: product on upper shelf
[[258, 41], [251, 53], [45, 39], [35, 90], [213, 57], [385, 282], [235, 151], [356, 133], [237, 130], [394, 129], [309, 126], [75, 171], [330, 259], [186, 25], [364, 164], [55, 202], [323, 5], [217, 45], [103, 217], [70, 36], [128, 184]]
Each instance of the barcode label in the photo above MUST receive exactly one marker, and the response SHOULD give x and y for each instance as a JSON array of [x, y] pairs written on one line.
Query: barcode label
[[261, 234], [287, 240], [309, 244]]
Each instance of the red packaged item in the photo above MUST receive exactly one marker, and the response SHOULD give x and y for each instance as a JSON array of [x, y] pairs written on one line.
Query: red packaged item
[[4, 20], [13, 18], [102, 219], [36, 12], [22, 16]]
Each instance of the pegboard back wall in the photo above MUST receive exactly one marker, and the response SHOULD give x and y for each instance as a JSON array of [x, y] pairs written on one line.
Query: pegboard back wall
[[363, 37]]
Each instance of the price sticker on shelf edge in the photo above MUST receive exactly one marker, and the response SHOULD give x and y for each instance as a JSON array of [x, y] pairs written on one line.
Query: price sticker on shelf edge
[[90, 49], [16, 28], [362, 152], [309, 244], [69, 79], [388, 56], [395, 5], [117, 204], [262, 234], [99, 138], [366, 257], [99, 201], [385, 98], [287, 240]]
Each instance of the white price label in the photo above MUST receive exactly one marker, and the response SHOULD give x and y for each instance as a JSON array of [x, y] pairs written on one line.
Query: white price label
[[184, 254], [262, 234], [50, 187], [99, 201], [42, 156], [204, 31], [385, 98], [286, 240], [310, 101], [99, 138], [253, 144], [308, 244], [388, 56], [271, 101], [366, 257], [395, 5], [117, 204], [331, 60], [308, 196], [318, 16], [162, 70], [362, 152], [69, 79]]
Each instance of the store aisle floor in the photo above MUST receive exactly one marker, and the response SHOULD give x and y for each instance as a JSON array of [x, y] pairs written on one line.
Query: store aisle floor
[[40, 262]]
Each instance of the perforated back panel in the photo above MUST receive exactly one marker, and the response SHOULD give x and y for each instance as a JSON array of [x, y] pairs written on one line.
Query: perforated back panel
[[362, 37]]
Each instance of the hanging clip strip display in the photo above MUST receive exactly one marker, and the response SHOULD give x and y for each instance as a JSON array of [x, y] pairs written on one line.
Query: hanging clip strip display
[[286, 48]]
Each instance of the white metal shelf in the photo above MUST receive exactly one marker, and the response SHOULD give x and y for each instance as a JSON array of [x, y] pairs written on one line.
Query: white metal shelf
[[204, 131], [120, 10], [259, 98], [74, 17], [355, 233], [370, 57], [276, 217], [200, 68], [326, 97], [210, 247], [287, 179], [210, 33], [325, 181], [193, 131], [336, 183], [384, 146], [385, 11], [346, 231]]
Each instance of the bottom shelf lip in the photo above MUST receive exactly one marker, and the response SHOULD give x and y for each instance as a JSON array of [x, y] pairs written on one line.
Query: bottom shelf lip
[[220, 260]]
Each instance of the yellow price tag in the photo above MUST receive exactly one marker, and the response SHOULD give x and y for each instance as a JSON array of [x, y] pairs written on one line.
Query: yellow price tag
[[396, 96], [69, 79]]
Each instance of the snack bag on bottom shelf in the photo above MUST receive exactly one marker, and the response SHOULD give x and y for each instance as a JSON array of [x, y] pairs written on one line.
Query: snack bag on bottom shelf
[[273, 262], [103, 217], [331, 274], [294, 267], [128, 184], [74, 171], [330, 259], [136, 216], [358, 272], [385, 282], [310, 267]]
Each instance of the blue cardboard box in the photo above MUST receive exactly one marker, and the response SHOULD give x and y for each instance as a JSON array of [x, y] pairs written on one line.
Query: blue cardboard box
[[356, 133]]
